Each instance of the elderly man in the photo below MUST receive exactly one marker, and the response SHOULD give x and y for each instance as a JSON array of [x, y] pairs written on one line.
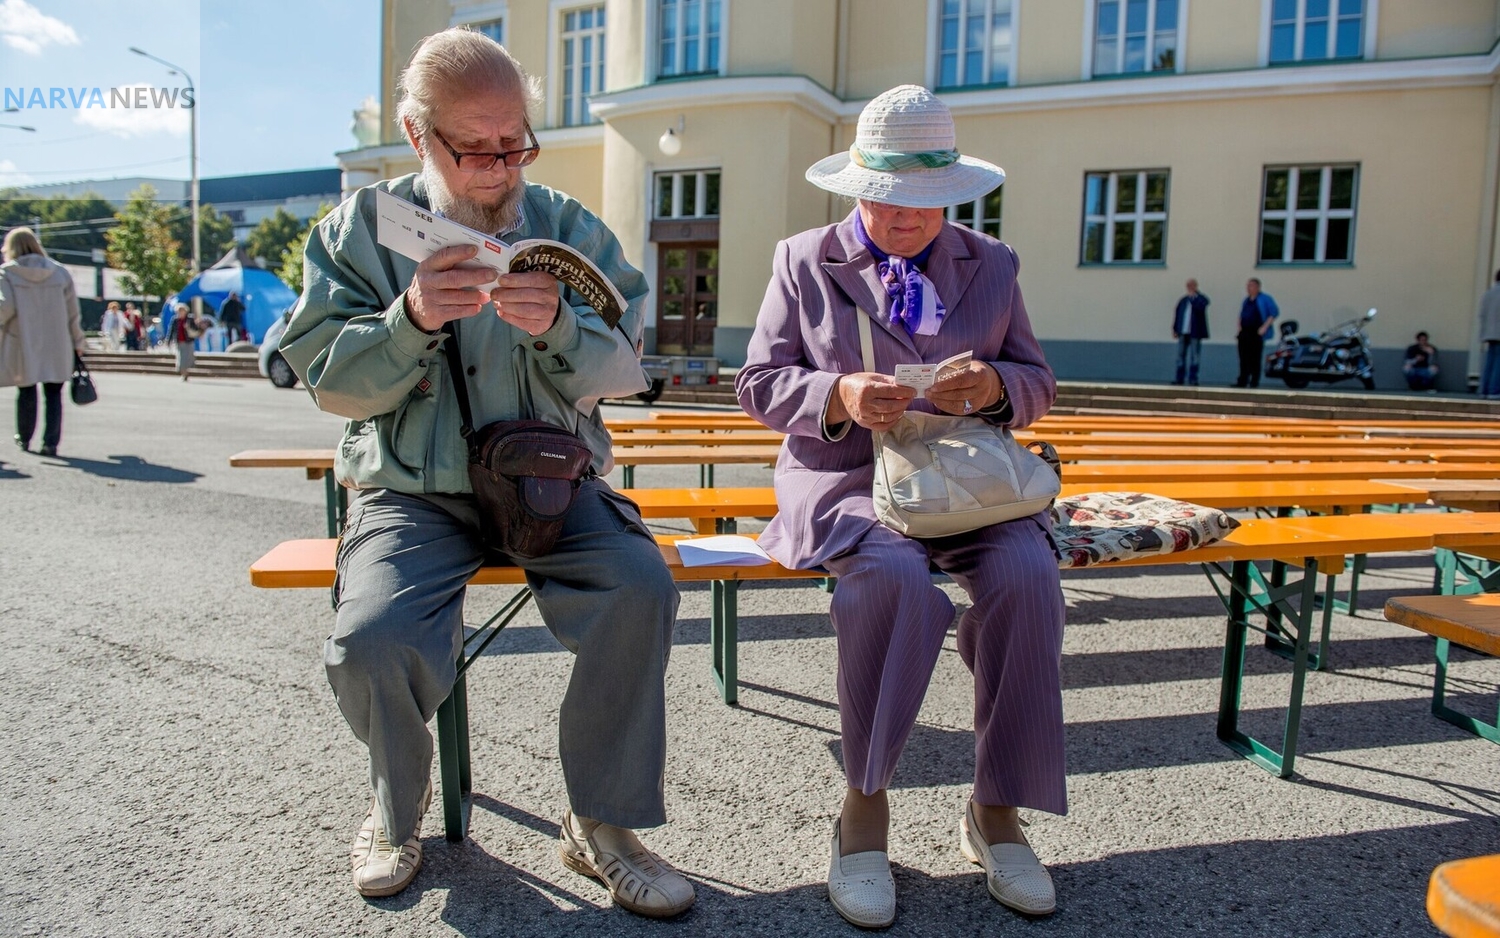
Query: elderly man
[[367, 339]]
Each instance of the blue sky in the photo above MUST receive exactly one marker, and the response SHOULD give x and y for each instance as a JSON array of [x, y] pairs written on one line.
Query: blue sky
[[278, 84]]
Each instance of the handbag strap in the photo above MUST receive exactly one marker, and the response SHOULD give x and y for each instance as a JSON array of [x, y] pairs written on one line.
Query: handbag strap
[[460, 387]]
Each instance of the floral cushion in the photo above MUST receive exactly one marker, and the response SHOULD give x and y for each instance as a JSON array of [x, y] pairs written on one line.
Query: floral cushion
[[1101, 527]]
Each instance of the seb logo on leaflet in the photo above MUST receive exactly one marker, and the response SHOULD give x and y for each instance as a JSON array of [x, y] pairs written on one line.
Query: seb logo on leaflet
[[123, 96]]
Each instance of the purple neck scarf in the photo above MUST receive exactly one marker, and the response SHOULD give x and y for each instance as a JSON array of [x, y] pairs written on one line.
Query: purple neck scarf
[[902, 279]]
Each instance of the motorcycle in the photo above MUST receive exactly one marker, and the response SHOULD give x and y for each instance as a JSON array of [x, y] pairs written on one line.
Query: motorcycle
[[1335, 355]]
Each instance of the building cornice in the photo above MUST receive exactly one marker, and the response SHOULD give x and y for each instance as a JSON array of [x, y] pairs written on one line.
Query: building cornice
[[797, 90], [1343, 78], [1340, 78]]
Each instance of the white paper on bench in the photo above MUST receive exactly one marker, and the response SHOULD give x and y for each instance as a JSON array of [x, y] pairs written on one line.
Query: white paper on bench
[[720, 550]]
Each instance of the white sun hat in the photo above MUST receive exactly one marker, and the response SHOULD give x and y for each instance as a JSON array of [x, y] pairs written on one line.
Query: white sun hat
[[905, 153]]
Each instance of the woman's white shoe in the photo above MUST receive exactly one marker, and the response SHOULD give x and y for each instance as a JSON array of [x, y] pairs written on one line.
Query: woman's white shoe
[[1015, 876], [860, 886]]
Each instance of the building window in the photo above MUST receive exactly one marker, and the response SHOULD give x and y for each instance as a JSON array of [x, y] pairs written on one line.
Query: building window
[[582, 63], [1307, 215], [1316, 30], [687, 195], [1125, 217], [495, 29], [689, 36], [982, 214], [976, 43], [1133, 36]]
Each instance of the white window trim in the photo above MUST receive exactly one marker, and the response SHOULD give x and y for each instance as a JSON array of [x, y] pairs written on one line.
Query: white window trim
[[555, 11], [1090, 14], [1140, 217], [979, 219], [1371, 27], [652, 60], [1291, 214], [464, 14], [935, 44], [700, 191]]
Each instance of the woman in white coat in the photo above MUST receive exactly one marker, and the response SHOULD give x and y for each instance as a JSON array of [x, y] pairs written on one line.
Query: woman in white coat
[[40, 332]]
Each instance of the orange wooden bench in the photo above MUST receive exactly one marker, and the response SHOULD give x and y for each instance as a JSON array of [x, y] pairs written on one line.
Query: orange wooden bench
[[1463, 897], [1472, 621]]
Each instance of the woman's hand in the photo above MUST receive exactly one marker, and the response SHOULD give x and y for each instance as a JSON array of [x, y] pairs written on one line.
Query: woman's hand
[[874, 401], [968, 391]]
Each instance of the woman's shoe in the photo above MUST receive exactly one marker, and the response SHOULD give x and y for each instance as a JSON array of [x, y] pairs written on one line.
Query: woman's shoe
[[24, 444], [860, 886], [48, 450], [1015, 877]]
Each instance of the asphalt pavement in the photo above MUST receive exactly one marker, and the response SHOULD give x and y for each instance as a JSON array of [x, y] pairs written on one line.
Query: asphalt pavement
[[173, 761]]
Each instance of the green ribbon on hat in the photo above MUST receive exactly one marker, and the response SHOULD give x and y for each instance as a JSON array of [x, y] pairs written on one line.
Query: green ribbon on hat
[[894, 161]]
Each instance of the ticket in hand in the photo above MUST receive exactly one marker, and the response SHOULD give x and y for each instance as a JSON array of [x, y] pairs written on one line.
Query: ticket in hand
[[920, 377]]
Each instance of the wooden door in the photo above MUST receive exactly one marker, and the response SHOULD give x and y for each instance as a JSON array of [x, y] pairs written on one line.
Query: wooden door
[[687, 297]]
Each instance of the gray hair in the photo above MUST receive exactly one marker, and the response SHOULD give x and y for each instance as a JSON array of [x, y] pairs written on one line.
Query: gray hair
[[458, 59]]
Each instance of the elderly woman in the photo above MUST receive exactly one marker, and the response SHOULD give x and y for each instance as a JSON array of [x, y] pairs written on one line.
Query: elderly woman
[[40, 335], [185, 331], [933, 290]]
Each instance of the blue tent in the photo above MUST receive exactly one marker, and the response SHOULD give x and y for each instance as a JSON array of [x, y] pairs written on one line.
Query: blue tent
[[264, 295]]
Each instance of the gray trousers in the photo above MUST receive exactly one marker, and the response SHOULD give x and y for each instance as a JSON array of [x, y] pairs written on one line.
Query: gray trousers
[[604, 593]]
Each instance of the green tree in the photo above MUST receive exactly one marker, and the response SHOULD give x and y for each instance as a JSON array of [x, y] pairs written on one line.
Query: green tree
[[141, 244], [215, 233], [290, 267], [71, 227], [270, 238]]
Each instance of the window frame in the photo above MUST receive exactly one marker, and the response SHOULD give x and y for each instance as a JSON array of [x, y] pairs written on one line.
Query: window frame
[[1140, 216], [1323, 214], [653, 61], [557, 66], [979, 218], [700, 193], [935, 50], [1091, 42], [1368, 39], [474, 15]]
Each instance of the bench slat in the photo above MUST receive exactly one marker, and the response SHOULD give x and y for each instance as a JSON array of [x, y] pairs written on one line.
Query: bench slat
[[1463, 897], [1471, 621]]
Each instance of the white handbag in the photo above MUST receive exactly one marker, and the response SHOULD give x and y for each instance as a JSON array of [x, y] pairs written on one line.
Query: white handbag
[[937, 475]]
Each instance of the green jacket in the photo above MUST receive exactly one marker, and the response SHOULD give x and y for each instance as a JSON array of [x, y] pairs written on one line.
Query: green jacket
[[358, 354]]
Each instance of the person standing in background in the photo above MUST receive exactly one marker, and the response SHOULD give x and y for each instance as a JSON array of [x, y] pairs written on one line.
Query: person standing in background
[[135, 329], [1489, 336], [185, 331], [1257, 314], [232, 316], [113, 326], [41, 334], [1190, 328]]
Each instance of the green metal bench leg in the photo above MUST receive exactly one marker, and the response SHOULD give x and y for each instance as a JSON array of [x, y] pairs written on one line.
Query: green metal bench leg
[[1232, 675], [627, 477], [705, 476], [1441, 710], [453, 761], [724, 638], [1349, 606], [1279, 641], [331, 506]]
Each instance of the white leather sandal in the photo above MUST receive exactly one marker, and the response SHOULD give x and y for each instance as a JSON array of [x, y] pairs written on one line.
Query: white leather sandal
[[1015, 876], [860, 886]]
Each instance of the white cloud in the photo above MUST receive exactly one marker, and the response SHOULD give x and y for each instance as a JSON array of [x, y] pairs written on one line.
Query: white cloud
[[11, 176], [136, 122], [24, 27]]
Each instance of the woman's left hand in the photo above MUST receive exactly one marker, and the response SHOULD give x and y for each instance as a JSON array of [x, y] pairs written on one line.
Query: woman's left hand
[[968, 391]]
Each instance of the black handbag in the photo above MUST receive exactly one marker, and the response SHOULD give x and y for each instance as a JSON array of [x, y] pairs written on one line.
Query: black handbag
[[525, 473], [81, 387]]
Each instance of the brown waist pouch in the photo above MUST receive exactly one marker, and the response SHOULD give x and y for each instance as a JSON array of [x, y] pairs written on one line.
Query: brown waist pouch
[[525, 475]]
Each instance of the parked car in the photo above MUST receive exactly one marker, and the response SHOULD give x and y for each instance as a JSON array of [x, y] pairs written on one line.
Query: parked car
[[272, 365]]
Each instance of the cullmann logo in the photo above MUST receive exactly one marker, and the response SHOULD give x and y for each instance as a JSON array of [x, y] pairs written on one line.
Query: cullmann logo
[[130, 96]]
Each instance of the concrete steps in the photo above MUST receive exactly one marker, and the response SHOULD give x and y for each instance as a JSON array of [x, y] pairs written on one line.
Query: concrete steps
[[205, 364]]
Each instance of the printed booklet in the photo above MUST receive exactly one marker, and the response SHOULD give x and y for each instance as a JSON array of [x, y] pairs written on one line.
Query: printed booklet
[[922, 377], [412, 231]]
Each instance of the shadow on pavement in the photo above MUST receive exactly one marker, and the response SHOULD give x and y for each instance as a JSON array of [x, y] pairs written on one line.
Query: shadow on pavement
[[1362, 883], [130, 469], [10, 472]]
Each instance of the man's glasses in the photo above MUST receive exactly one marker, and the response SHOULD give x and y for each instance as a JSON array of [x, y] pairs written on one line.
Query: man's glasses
[[482, 162]]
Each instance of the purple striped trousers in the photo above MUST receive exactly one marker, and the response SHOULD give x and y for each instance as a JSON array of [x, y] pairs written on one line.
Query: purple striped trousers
[[890, 621]]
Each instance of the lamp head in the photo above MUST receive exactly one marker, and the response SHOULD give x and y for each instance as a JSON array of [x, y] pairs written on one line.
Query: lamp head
[[670, 144]]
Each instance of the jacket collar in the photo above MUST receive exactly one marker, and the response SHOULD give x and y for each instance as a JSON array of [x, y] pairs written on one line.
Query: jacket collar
[[851, 265]]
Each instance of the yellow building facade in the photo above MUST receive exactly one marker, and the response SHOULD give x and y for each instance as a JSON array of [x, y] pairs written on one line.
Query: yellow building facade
[[1345, 152]]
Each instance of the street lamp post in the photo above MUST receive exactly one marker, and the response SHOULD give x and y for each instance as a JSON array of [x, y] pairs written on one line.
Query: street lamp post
[[192, 142]]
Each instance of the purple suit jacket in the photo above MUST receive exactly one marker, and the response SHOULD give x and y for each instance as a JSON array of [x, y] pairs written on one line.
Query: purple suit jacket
[[807, 334]]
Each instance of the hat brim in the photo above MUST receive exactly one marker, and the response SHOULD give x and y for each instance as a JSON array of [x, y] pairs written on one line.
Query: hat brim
[[964, 181]]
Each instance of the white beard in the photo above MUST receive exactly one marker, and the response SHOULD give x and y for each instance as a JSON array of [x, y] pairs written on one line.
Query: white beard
[[490, 219]]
